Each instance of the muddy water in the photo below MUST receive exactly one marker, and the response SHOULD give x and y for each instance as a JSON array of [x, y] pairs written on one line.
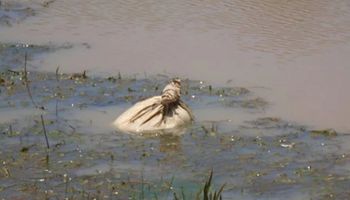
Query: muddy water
[[292, 54], [296, 52], [263, 158]]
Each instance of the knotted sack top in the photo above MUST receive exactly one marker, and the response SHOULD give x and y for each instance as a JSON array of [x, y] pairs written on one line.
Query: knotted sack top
[[166, 111]]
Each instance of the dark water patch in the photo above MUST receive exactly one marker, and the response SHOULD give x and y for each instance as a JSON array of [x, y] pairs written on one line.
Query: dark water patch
[[12, 56], [268, 123], [255, 103]]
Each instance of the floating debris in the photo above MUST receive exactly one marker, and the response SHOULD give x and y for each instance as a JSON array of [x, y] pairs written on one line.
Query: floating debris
[[266, 123], [48, 3], [326, 132], [288, 145], [77, 76], [256, 103], [232, 91]]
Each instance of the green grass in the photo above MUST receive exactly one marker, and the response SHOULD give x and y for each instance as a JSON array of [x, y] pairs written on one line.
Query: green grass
[[206, 192]]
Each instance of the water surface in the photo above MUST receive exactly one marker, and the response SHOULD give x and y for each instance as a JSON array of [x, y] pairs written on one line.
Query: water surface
[[298, 50], [290, 56]]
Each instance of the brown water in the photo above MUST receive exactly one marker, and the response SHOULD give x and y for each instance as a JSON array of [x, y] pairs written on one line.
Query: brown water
[[292, 53]]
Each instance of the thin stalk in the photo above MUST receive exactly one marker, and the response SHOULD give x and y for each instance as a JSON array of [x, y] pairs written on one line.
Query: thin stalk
[[44, 129], [57, 89], [47, 159], [10, 129], [119, 76], [66, 189], [56, 108], [26, 81], [57, 78]]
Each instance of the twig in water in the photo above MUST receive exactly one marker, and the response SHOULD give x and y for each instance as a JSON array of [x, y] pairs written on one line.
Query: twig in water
[[44, 129], [57, 69], [10, 129], [47, 159], [57, 89], [26, 81], [47, 3], [56, 108]]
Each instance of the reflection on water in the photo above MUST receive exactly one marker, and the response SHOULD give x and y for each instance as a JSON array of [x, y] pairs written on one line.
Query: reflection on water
[[297, 49], [169, 143]]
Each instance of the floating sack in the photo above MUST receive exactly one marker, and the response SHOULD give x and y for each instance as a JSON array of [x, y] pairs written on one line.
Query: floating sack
[[157, 113]]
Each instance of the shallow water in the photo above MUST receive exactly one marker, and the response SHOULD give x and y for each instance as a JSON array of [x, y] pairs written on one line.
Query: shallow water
[[298, 51], [289, 58], [257, 157]]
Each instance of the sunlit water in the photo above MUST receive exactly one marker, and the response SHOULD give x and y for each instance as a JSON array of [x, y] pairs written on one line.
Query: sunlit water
[[294, 54], [297, 51]]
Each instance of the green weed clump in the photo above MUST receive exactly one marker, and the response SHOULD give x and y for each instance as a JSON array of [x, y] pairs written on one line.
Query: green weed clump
[[206, 193]]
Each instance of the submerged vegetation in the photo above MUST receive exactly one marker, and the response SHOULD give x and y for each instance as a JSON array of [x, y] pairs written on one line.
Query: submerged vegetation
[[55, 142]]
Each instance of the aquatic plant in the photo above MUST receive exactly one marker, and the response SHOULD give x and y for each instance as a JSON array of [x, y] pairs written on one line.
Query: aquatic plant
[[205, 193]]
